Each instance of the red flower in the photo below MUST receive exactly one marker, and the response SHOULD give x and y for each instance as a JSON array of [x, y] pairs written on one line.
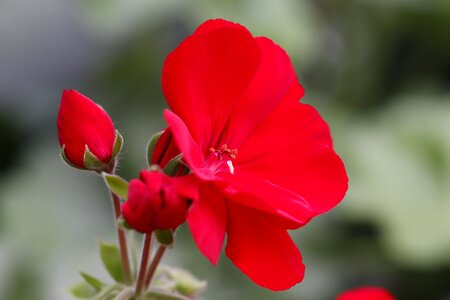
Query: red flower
[[265, 162], [82, 123], [157, 201], [366, 293]]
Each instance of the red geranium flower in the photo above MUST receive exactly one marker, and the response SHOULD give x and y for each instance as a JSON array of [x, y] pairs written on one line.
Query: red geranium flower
[[366, 293], [83, 123], [265, 161], [157, 201]]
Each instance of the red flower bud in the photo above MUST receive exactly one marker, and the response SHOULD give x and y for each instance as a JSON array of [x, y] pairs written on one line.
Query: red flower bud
[[366, 293], [82, 125], [162, 149], [157, 201]]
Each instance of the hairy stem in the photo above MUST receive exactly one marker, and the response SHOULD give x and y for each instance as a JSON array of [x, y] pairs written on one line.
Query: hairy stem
[[121, 236], [155, 262], [140, 286]]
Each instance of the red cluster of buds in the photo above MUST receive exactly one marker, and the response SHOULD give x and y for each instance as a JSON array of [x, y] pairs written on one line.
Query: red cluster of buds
[[157, 201]]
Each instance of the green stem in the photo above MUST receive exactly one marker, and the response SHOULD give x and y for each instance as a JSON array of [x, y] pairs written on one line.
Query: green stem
[[121, 236], [154, 265], [144, 261]]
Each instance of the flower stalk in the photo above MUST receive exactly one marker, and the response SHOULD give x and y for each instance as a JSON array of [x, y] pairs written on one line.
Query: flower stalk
[[121, 236], [146, 248], [154, 265]]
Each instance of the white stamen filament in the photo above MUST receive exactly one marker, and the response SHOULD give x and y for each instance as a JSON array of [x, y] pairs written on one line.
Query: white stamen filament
[[230, 166]]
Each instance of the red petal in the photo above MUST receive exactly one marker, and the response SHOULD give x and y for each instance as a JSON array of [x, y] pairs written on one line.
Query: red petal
[[205, 76], [136, 210], [82, 122], [292, 149], [190, 149], [211, 25], [266, 254], [366, 293], [274, 81], [288, 209], [207, 222], [187, 186]]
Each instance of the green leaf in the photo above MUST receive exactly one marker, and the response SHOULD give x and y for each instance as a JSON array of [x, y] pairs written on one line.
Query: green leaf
[[91, 161], [156, 294], [111, 259], [118, 144], [151, 146], [165, 237], [117, 185], [62, 152], [109, 292], [82, 290], [97, 284], [172, 166]]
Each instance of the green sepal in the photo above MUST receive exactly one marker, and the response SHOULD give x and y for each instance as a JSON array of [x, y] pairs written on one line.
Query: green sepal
[[165, 237], [111, 259], [62, 153], [82, 290], [123, 224], [155, 168], [109, 292], [118, 144], [187, 284], [151, 146], [91, 161], [173, 165], [157, 294], [97, 284], [126, 294], [117, 185]]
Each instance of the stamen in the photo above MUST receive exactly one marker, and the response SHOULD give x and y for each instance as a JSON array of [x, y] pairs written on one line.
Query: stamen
[[230, 166], [223, 149], [223, 154]]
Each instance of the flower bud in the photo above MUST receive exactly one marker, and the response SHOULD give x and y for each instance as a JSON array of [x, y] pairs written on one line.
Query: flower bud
[[157, 201], [86, 133], [162, 148]]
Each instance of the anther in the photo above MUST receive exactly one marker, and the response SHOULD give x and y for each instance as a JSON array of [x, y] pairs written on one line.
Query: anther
[[223, 149]]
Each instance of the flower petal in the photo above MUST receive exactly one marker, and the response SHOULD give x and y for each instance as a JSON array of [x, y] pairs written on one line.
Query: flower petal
[[136, 210], [187, 186], [292, 149], [211, 25], [366, 293], [286, 208], [266, 254], [190, 149], [207, 221], [205, 75], [274, 82]]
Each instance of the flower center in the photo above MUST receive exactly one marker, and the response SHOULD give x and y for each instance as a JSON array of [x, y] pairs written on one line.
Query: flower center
[[221, 155]]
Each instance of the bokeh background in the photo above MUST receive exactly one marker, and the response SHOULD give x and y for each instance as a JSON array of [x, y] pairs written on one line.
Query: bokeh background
[[377, 70]]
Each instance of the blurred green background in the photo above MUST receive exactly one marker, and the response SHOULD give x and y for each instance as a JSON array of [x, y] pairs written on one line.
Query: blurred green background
[[377, 70]]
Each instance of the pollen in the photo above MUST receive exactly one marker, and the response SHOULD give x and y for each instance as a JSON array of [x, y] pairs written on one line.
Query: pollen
[[224, 150]]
